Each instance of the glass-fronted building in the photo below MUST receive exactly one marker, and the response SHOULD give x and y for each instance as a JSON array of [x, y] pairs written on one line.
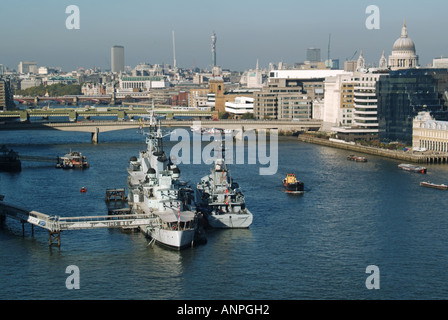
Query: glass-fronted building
[[403, 94]]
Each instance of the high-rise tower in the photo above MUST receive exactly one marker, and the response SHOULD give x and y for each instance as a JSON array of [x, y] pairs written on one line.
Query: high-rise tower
[[213, 49], [174, 54], [117, 59]]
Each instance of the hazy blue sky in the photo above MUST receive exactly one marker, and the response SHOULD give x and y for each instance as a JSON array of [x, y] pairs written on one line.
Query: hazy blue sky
[[247, 30]]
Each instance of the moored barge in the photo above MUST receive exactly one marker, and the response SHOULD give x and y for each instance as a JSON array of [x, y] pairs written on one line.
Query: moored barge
[[412, 168], [434, 185]]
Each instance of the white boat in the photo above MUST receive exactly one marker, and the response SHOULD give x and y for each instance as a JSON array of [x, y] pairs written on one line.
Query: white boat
[[154, 188], [73, 160], [220, 199]]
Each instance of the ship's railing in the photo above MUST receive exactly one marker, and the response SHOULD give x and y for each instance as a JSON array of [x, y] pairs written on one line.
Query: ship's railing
[[96, 222]]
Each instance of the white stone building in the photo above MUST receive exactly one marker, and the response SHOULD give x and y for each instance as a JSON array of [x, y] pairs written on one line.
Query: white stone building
[[429, 134], [134, 84], [335, 113], [242, 105]]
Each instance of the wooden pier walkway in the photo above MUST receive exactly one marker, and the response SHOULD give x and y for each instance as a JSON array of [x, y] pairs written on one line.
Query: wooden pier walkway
[[115, 195], [55, 224]]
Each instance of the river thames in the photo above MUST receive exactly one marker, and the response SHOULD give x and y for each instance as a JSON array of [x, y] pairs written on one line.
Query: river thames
[[311, 246]]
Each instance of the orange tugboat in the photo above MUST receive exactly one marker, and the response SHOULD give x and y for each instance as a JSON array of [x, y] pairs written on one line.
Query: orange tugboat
[[291, 184]]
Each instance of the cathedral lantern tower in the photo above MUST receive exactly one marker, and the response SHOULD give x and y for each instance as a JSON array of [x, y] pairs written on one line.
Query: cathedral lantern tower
[[383, 62]]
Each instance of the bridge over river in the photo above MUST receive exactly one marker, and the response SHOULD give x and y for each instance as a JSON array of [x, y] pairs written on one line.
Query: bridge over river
[[122, 113], [95, 127]]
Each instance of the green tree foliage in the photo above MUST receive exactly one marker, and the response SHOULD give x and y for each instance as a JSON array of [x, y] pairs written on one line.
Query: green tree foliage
[[223, 115], [248, 116]]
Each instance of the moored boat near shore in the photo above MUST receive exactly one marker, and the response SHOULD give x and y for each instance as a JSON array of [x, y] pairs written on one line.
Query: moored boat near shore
[[356, 158], [434, 185], [155, 189], [412, 168], [220, 199]]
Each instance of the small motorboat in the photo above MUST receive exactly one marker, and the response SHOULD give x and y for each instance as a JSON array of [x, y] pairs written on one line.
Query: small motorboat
[[356, 158], [83, 190]]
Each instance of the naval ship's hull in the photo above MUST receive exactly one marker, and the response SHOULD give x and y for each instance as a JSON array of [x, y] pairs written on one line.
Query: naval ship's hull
[[229, 220], [171, 238]]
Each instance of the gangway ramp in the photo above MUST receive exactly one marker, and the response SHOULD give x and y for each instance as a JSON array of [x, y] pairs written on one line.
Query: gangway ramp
[[39, 159], [56, 224]]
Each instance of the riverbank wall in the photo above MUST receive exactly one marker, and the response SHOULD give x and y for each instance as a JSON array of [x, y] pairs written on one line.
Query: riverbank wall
[[408, 156]]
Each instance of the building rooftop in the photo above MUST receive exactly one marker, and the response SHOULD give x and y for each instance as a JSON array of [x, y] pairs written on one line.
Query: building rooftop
[[305, 74], [154, 78]]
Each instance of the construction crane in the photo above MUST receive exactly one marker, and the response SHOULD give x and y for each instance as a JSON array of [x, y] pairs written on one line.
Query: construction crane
[[352, 56]]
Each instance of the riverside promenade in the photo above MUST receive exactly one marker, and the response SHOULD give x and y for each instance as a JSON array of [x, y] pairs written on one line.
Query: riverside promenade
[[408, 156]]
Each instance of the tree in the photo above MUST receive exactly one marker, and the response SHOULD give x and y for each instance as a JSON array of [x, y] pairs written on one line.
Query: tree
[[223, 115], [248, 115]]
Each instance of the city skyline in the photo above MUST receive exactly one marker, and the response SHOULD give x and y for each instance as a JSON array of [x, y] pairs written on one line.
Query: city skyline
[[247, 31]]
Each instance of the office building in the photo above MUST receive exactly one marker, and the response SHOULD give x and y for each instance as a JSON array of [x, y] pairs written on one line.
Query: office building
[[140, 84], [339, 101], [365, 113], [440, 63], [361, 99], [29, 83], [350, 65], [26, 67], [291, 94], [241, 106], [403, 94], [313, 55], [117, 59], [6, 95]]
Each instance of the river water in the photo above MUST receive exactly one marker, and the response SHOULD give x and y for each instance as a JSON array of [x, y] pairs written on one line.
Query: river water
[[311, 246]]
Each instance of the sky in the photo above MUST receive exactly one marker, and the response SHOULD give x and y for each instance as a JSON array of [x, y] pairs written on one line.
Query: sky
[[247, 30]]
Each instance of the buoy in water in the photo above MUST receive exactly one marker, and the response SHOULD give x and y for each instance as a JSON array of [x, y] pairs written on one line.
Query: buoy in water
[[83, 189]]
